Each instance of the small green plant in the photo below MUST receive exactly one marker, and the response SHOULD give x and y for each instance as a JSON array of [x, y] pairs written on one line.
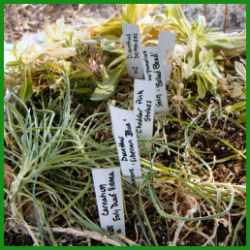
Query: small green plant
[[193, 179]]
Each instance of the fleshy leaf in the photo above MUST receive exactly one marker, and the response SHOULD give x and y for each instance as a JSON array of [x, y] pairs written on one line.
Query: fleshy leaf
[[242, 118], [26, 88], [82, 90], [201, 88], [240, 69], [108, 86], [80, 74]]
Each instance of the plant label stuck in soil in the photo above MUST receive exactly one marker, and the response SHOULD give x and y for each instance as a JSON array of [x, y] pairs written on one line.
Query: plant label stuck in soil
[[153, 72], [144, 101], [108, 191], [123, 123], [131, 40], [166, 47]]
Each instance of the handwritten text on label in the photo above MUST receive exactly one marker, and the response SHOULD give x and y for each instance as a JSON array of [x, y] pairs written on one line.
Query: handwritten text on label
[[144, 99], [153, 72], [123, 123], [131, 39], [108, 190]]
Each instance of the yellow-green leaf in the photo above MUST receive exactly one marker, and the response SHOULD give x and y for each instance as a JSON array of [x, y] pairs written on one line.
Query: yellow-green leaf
[[108, 86], [25, 91], [242, 118], [82, 90], [201, 89], [240, 69], [80, 74], [239, 106]]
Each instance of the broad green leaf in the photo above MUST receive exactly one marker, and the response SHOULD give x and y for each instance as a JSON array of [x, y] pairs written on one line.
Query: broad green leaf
[[25, 91], [201, 23], [134, 12], [13, 63], [56, 67], [189, 103], [239, 106], [209, 57], [201, 89], [108, 86], [229, 41], [129, 15], [79, 74], [102, 94], [210, 77], [111, 27], [59, 52], [82, 90], [50, 76], [240, 69], [186, 70], [214, 69], [56, 32], [175, 12], [113, 49], [16, 51], [242, 118], [193, 46], [110, 37], [116, 61]]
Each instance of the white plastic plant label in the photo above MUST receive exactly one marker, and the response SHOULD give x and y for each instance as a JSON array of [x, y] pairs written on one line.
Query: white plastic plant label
[[144, 101], [131, 40], [166, 47], [108, 191], [123, 123], [153, 72]]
